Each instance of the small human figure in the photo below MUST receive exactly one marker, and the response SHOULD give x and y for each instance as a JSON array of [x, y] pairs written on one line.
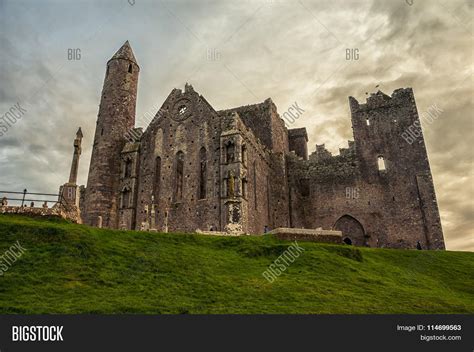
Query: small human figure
[[418, 246], [45, 205], [265, 229], [4, 201], [32, 204]]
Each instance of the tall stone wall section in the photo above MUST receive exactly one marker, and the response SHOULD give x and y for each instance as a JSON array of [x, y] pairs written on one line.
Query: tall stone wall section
[[184, 125], [391, 207]]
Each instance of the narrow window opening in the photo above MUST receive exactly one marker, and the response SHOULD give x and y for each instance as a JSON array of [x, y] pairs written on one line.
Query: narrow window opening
[[202, 173], [179, 175], [130, 68], [128, 168], [244, 187], [381, 163], [126, 198], [156, 183], [244, 155], [230, 152]]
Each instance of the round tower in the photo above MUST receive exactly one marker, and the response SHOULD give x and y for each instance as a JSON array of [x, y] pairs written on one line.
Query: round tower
[[116, 117]]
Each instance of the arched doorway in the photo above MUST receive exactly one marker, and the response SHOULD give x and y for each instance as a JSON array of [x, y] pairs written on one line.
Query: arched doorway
[[352, 230]]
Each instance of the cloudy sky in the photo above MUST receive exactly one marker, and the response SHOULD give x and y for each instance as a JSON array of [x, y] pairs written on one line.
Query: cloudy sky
[[237, 53]]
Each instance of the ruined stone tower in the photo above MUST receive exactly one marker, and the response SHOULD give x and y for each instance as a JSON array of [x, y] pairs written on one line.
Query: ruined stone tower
[[401, 169], [116, 116]]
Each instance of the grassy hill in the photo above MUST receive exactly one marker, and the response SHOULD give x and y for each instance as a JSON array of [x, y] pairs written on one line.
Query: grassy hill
[[70, 268]]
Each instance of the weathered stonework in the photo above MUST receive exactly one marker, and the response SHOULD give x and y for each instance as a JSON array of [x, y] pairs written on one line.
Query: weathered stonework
[[59, 211], [238, 170], [116, 117]]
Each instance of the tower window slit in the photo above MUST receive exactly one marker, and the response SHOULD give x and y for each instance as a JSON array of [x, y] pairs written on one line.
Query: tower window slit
[[381, 163]]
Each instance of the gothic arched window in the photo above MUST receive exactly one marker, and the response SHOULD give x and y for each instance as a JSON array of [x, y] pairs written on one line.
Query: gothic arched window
[[128, 168], [126, 198], [230, 152], [244, 154], [244, 187], [179, 175], [202, 173]]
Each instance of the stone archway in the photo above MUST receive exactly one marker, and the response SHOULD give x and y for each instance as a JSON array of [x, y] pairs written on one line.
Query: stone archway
[[352, 230]]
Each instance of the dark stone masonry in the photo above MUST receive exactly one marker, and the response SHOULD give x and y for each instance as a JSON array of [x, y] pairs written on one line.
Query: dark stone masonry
[[241, 169]]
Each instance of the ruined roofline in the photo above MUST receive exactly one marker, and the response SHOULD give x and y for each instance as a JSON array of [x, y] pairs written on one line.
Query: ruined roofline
[[320, 151], [188, 88], [380, 99], [247, 107]]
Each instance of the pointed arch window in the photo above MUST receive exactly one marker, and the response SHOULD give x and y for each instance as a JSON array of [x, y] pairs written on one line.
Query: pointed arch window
[[126, 198], [244, 187], [130, 69], [244, 154], [179, 179], [128, 168], [230, 152], [202, 173]]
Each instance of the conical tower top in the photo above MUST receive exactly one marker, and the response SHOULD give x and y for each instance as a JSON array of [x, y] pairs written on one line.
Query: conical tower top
[[125, 53], [79, 134]]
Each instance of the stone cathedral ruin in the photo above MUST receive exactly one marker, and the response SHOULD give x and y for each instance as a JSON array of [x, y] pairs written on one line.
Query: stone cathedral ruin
[[241, 170]]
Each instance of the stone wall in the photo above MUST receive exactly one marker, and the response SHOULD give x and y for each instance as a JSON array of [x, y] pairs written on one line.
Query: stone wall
[[185, 125], [394, 207], [70, 213]]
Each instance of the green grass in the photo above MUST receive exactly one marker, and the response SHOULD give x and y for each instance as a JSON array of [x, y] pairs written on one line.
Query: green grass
[[70, 268]]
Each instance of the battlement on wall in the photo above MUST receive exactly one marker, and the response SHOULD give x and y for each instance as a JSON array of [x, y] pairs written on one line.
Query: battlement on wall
[[322, 166], [252, 111], [380, 99], [321, 153]]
